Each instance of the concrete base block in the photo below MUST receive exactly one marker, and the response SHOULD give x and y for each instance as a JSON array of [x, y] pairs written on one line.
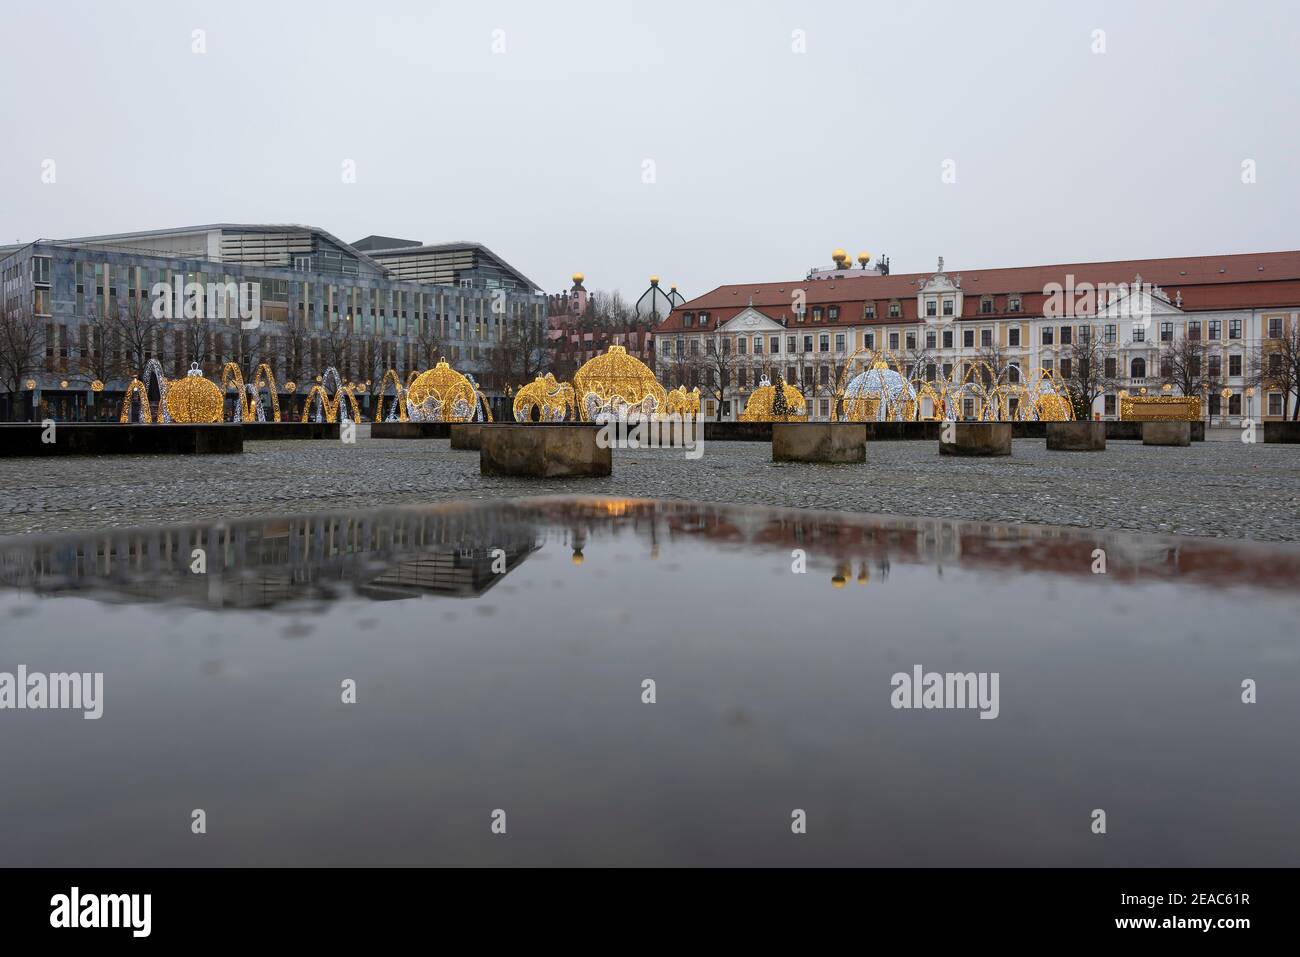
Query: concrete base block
[[1076, 436], [543, 451], [467, 436], [835, 442], [275, 431], [978, 438], [1166, 433], [1283, 432]]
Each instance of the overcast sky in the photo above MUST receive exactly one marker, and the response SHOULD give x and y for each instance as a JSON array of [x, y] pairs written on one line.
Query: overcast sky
[[764, 159]]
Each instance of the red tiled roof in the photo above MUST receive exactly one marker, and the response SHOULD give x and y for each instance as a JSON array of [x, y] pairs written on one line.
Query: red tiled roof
[[1242, 281]]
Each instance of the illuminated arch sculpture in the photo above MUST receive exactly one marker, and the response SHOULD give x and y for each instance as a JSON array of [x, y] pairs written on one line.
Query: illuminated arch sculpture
[[759, 408], [683, 403], [616, 383], [153, 370], [341, 406], [880, 394], [135, 389], [544, 400], [397, 412]]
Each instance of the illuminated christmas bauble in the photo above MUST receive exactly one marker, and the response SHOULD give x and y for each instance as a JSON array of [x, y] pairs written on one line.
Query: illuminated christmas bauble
[[445, 385], [194, 398], [614, 379]]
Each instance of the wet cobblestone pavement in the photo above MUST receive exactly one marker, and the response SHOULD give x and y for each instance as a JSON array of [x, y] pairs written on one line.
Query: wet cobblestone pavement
[[1215, 488]]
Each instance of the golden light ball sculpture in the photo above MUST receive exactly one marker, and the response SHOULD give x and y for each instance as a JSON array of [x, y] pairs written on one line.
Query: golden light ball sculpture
[[195, 398], [544, 400], [759, 408], [444, 385], [613, 379]]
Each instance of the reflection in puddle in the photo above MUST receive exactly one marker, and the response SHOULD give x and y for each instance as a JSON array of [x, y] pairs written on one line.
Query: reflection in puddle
[[498, 653]]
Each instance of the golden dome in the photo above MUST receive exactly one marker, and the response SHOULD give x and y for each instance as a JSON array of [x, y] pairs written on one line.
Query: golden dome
[[194, 398], [446, 385], [616, 375], [864, 257], [839, 254], [578, 277], [759, 406]]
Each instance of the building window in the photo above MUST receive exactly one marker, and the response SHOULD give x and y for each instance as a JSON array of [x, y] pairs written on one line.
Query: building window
[[1111, 333], [1013, 304], [893, 341], [688, 319], [817, 313], [1110, 366], [1194, 330], [758, 345], [839, 342], [1139, 333], [895, 310], [947, 307], [869, 311], [1108, 407], [1067, 335], [986, 306], [1234, 365], [947, 338], [807, 343], [1066, 368], [823, 343], [1166, 332], [1216, 330], [930, 340], [1234, 328], [1275, 403], [791, 344], [869, 340], [1275, 327], [825, 408], [1048, 334], [911, 340], [1234, 404], [968, 338], [986, 338], [1013, 373], [1216, 366], [833, 313], [1013, 336], [931, 308], [775, 345], [742, 346]]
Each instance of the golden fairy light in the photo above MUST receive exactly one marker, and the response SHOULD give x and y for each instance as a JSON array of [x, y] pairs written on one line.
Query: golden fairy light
[[443, 394], [194, 398], [544, 400], [765, 406]]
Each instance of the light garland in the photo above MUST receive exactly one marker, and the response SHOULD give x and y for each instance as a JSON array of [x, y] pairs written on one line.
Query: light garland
[[1161, 408]]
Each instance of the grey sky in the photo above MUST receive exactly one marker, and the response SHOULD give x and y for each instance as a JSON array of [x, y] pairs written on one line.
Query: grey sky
[[765, 159]]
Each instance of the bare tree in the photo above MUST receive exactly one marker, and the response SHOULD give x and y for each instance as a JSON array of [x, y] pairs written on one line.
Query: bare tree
[[336, 345], [136, 334], [1185, 365], [1274, 366], [21, 338], [518, 356], [1093, 370], [713, 370]]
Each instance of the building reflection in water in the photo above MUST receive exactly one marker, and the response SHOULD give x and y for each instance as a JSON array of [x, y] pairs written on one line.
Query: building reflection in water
[[464, 549]]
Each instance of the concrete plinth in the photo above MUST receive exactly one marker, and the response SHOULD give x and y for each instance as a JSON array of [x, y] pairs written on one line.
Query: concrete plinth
[[1076, 436], [978, 438], [1283, 432], [467, 436], [835, 442], [1166, 433], [106, 438], [543, 451], [410, 430], [275, 431]]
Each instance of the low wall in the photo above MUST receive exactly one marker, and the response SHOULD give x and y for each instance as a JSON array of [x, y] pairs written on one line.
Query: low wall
[[467, 436], [978, 438], [543, 451], [1082, 436], [110, 438], [410, 430], [276, 431], [1131, 429], [1166, 433], [737, 431], [1287, 433], [834, 442]]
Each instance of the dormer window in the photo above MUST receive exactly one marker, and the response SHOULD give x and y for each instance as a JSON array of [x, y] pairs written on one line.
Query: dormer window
[[895, 310], [817, 313], [833, 313], [1013, 304], [869, 311], [931, 308], [704, 320], [688, 318], [986, 306], [947, 307]]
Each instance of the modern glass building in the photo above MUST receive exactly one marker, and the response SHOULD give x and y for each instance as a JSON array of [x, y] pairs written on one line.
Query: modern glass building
[[82, 317]]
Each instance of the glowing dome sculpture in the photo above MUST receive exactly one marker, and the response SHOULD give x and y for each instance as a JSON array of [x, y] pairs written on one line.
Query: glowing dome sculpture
[[761, 405], [683, 403], [879, 394], [194, 398], [544, 400], [441, 395], [614, 384], [341, 406]]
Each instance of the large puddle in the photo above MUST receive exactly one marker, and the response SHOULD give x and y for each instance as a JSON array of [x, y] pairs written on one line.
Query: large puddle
[[500, 654]]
